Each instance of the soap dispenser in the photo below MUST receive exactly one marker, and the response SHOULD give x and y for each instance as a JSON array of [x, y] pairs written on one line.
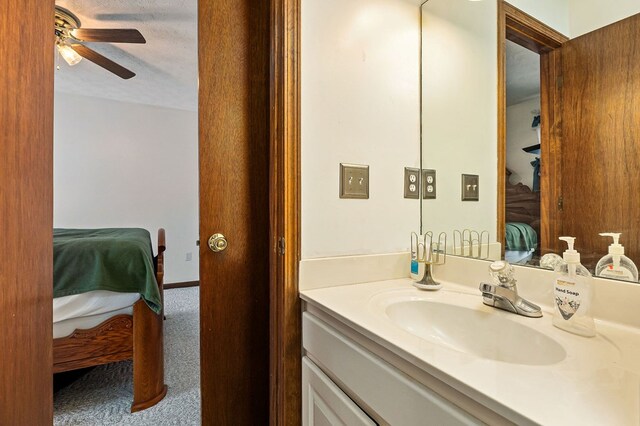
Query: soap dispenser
[[616, 265], [573, 294]]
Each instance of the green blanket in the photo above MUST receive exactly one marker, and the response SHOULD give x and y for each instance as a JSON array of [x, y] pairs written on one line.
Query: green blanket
[[520, 237], [113, 259]]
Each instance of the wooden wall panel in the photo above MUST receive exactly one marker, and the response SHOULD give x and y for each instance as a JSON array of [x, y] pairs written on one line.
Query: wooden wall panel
[[601, 138], [26, 212], [234, 64]]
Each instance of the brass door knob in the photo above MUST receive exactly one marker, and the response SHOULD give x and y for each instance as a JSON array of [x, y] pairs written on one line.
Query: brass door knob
[[217, 243]]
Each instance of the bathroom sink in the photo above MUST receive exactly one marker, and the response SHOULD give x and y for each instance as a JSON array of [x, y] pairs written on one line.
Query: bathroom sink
[[486, 335]]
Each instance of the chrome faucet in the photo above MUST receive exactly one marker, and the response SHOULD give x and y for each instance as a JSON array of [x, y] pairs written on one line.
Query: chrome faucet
[[503, 293]]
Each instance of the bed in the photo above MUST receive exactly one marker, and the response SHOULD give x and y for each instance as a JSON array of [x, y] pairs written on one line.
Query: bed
[[522, 214], [98, 320]]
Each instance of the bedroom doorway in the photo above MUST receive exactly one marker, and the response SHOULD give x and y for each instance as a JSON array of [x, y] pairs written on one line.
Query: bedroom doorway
[[259, 271], [125, 160], [523, 148], [527, 48]]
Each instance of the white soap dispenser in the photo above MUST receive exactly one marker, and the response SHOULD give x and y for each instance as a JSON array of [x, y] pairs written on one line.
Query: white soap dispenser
[[616, 265], [573, 294]]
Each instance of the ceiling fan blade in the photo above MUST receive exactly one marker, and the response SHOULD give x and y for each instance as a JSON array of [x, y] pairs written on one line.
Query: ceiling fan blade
[[108, 35], [102, 61]]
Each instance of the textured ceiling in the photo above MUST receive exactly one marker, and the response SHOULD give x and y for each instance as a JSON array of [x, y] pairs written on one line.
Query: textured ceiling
[[523, 73], [166, 66]]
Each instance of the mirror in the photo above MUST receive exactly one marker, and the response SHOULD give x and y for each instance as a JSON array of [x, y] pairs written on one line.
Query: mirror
[[554, 150]]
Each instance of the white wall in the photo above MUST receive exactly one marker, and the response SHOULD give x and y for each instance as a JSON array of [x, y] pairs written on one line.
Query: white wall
[[589, 15], [521, 135], [360, 104], [574, 18], [129, 165], [460, 112], [460, 104], [554, 13]]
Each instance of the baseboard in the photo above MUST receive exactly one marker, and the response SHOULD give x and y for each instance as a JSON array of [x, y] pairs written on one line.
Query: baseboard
[[181, 285]]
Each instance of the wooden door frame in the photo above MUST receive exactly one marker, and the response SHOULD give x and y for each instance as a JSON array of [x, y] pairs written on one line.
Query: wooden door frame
[[286, 328], [527, 31], [32, 120]]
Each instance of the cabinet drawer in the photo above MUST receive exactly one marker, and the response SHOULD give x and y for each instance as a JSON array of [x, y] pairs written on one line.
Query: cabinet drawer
[[393, 397], [324, 404]]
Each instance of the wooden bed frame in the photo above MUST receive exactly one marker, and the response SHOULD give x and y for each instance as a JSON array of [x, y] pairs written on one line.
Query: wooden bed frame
[[123, 337]]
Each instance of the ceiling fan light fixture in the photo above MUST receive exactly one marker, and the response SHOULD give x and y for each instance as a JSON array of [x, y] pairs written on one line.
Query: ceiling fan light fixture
[[70, 36], [68, 54]]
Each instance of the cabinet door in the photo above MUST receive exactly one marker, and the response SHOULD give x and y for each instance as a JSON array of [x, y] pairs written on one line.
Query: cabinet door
[[324, 404]]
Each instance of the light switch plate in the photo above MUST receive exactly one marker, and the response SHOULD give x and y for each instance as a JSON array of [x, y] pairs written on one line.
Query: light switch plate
[[470, 188], [354, 181], [429, 184], [411, 183]]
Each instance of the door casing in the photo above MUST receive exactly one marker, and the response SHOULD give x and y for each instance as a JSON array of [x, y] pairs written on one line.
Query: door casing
[[26, 202], [286, 327]]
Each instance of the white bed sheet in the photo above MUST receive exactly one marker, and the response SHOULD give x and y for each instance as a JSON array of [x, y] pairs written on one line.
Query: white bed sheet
[[89, 309], [518, 257], [68, 326]]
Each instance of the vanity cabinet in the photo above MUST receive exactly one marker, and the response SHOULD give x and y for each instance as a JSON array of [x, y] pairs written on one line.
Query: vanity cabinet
[[386, 394], [324, 404]]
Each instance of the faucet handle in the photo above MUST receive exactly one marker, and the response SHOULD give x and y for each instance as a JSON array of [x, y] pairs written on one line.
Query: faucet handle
[[503, 274]]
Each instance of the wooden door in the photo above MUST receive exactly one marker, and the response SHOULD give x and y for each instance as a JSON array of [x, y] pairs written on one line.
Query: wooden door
[[601, 138], [234, 115], [26, 213]]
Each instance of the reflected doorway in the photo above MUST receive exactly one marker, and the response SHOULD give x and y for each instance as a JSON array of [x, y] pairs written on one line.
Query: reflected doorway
[[522, 180]]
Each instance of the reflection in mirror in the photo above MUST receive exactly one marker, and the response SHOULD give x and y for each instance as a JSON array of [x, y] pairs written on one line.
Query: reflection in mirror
[[555, 149], [523, 149], [459, 110]]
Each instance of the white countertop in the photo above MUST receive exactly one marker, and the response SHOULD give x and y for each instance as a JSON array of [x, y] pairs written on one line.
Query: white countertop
[[597, 383]]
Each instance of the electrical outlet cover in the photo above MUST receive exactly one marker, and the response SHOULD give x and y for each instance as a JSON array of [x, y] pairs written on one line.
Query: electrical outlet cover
[[354, 181], [411, 183], [429, 184]]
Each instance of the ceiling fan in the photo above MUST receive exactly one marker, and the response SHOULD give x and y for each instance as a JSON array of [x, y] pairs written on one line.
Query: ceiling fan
[[69, 34]]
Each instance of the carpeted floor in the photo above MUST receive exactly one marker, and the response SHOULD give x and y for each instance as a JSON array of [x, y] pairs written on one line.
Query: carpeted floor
[[103, 396]]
